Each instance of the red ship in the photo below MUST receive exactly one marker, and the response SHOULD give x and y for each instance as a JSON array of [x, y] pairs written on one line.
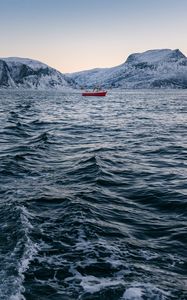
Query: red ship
[[95, 93]]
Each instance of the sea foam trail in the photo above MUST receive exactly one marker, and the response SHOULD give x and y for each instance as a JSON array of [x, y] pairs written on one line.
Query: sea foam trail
[[11, 287]]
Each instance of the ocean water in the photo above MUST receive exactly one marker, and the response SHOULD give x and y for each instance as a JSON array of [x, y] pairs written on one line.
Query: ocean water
[[93, 196]]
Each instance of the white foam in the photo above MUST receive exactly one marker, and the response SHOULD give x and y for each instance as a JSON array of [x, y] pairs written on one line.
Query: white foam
[[30, 248], [133, 293], [148, 255], [17, 297], [138, 290], [92, 284], [30, 251]]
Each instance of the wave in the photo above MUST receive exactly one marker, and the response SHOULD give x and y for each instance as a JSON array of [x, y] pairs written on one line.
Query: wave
[[93, 196]]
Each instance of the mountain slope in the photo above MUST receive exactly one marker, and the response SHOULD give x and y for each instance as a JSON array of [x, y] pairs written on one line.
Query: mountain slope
[[163, 68], [151, 69], [30, 74]]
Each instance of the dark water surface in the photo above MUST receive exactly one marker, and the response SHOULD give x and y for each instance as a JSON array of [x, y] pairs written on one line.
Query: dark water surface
[[93, 196]]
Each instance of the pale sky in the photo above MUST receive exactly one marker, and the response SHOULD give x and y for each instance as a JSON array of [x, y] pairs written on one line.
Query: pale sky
[[74, 35]]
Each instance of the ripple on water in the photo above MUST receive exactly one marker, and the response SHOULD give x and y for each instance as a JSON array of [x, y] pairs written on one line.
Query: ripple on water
[[93, 196]]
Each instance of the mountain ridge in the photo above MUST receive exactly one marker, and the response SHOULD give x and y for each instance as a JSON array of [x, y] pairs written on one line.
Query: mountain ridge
[[158, 68], [26, 73]]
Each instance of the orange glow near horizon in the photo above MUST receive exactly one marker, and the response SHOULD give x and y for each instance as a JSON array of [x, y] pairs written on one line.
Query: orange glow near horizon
[[79, 35]]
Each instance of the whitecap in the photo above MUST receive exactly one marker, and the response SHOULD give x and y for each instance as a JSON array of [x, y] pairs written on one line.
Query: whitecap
[[133, 293]]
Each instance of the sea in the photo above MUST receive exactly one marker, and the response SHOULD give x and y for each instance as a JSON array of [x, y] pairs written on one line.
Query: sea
[[93, 195]]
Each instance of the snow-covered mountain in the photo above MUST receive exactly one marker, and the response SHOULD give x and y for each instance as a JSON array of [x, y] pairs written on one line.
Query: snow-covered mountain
[[26, 73], [151, 69]]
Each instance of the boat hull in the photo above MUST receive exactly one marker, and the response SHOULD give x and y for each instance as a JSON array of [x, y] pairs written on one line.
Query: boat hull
[[98, 94]]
